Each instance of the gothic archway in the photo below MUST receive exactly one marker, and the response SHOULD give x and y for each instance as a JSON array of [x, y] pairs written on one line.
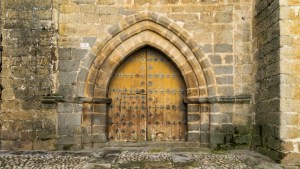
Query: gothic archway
[[130, 35]]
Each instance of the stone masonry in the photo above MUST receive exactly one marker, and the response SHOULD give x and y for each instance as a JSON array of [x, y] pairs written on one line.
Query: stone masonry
[[27, 56], [239, 60]]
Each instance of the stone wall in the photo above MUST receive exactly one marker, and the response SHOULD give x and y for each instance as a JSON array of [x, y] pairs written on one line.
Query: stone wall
[[221, 29], [40, 64], [276, 46], [28, 52], [290, 81], [266, 48]]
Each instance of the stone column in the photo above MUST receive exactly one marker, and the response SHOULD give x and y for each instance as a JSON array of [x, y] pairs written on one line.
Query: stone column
[[193, 121], [204, 125], [99, 124]]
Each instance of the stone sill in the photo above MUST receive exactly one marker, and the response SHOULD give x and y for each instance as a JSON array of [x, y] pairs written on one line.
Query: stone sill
[[219, 99], [200, 100], [78, 100]]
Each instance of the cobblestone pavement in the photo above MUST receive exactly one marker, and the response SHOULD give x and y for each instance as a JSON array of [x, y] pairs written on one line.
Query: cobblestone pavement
[[136, 158]]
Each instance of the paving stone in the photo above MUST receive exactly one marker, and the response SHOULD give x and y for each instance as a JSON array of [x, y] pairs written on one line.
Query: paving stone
[[135, 158]]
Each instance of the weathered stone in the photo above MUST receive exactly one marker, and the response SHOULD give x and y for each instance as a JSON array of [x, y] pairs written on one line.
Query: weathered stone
[[193, 137], [215, 59], [67, 78], [68, 66], [224, 80], [50, 50], [99, 138], [193, 117], [221, 70], [223, 48]]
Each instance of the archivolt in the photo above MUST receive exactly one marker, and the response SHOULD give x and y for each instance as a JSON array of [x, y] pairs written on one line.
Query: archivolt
[[150, 29]]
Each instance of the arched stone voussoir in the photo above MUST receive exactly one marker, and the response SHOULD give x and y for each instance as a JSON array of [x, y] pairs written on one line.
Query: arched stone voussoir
[[158, 29], [163, 34], [148, 39]]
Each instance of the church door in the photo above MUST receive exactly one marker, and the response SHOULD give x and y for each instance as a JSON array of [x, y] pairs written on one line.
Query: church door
[[147, 92]]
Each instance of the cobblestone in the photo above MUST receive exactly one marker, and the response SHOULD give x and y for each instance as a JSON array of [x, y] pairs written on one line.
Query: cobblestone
[[135, 158]]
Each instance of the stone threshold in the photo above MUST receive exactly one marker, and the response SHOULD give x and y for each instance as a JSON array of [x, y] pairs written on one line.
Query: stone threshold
[[165, 144]]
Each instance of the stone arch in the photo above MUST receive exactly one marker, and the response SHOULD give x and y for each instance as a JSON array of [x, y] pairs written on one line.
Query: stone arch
[[151, 29]]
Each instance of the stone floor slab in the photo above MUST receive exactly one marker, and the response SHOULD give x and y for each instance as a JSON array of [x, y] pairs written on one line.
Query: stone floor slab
[[136, 158]]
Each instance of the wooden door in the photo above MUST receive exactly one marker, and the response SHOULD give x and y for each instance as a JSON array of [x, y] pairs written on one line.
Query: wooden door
[[147, 94]]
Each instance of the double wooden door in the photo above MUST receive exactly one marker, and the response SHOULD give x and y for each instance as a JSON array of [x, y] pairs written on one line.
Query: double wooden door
[[147, 94]]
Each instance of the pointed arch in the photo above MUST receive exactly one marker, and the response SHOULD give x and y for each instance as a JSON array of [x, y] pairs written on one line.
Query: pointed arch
[[159, 32]]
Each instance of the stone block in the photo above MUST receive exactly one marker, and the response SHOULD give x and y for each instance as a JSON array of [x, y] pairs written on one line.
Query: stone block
[[215, 59], [9, 135], [62, 129], [204, 138], [289, 132], [28, 135], [107, 10], [223, 48], [79, 54], [186, 18], [100, 108], [193, 127], [193, 108], [68, 65], [223, 37], [65, 107], [217, 138], [242, 119], [99, 119], [9, 145], [66, 90], [25, 145], [206, 48], [193, 117], [99, 129], [226, 90], [247, 68], [221, 118], [72, 119], [204, 37], [244, 130], [193, 137], [68, 140], [82, 75], [290, 119], [227, 128], [46, 145], [105, 2], [223, 17], [99, 138], [243, 139], [291, 159], [287, 146], [225, 80], [30, 105], [222, 70], [293, 3], [7, 94], [68, 8], [67, 78]]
